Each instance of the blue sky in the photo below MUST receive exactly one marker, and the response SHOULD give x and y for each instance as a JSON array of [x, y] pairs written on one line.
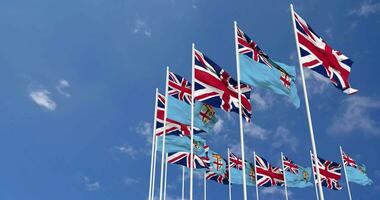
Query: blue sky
[[78, 80]]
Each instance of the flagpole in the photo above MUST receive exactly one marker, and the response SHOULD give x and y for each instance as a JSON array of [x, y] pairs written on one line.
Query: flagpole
[[164, 135], [312, 169], [204, 186], [229, 175], [183, 182], [254, 164], [283, 171], [345, 173], [166, 174], [314, 148], [154, 167], [153, 148], [192, 122], [240, 113]]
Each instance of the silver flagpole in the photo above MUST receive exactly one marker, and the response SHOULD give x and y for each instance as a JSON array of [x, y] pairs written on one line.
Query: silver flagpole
[[154, 168], [192, 122], [240, 112], [314, 183], [166, 174], [283, 170], [152, 162], [183, 182], [307, 107], [345, 173], [204, 186], [164, 135], [229, 175], [254, 164]]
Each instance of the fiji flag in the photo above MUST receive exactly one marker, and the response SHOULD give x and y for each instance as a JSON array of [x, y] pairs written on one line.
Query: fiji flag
[[295, 175], [236, 171], [218, 170], [182, 144], [258, 70], [355, 173]]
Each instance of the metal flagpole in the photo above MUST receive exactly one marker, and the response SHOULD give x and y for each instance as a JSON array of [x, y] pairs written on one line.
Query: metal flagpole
[[283, 170], [314, 148], [183, 182], [254, 164], [164, 135], [166, 174], [345, 173], [229, 175], [154, 168], [204, 186], [152, 162], [240, 113], [312, 169], [192, 122]]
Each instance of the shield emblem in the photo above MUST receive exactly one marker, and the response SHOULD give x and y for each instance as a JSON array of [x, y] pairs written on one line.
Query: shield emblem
[[207, 113]]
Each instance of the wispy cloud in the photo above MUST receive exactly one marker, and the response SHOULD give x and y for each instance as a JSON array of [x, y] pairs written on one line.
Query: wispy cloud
[[316, 82], [218, 127], [262, 101], [273, 191], [127, 149], [141, 27], [61, 86], [130, 181], [91, 186], [145, 129], [41, 97], [355, 114], [366, 8], [255, 131], [283, 137]]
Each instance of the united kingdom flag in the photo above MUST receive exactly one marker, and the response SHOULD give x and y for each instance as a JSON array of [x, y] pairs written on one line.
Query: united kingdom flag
[[348, 161], [289, 165], [179, 88], [219, 178], [330, 173], [172, 127], [268, 175], [235, 162], [184, 158], [214, 86], [317, 55]]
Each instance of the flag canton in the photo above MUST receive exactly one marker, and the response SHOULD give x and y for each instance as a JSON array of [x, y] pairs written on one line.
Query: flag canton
[[185, 159], [348, 161], [268, 175], [317, 55], [289, 165], [179, 88], [219, 178], [330, 173], [214, 86], [235, 162]]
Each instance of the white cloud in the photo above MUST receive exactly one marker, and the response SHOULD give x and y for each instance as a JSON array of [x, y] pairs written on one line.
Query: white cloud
[[255, 131], [283, 137], [141, 27], [91, 186], [130, 180], [127, 149], [262, 101], [41, 98], [218, 127], [61, 86], [145, 129], [315, 82], [273, 191], [366, 8], [355, 114]]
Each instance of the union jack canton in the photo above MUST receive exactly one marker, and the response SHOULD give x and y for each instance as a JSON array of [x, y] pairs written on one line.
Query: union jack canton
[[179, 88], [214, 86], [317, 55], [348, 161], [184, 158], [289, 165], [235, 162], [268, 175], [330, 173]]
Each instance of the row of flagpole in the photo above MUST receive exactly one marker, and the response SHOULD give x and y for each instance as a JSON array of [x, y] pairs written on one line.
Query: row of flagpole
[[162, 191]]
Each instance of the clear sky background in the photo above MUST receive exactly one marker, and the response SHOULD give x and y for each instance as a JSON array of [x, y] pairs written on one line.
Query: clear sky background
[[78, 79]]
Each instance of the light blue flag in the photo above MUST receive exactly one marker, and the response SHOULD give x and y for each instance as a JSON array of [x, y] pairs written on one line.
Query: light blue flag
[[358, 175], [262, 76], [236, 175], [217, 163], [180, 111], [300, 180], [182, 144]]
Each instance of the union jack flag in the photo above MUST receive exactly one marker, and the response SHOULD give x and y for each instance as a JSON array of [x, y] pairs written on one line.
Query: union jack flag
[[214, 86], [172, 127], [289, 165], [179, 87], [184, 158], [329, 172], [348, 161], [317, 55], [219, 178], [268, 175], [235, 162]]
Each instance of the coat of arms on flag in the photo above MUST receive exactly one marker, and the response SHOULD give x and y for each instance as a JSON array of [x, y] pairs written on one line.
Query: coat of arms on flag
[[356, 173]]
